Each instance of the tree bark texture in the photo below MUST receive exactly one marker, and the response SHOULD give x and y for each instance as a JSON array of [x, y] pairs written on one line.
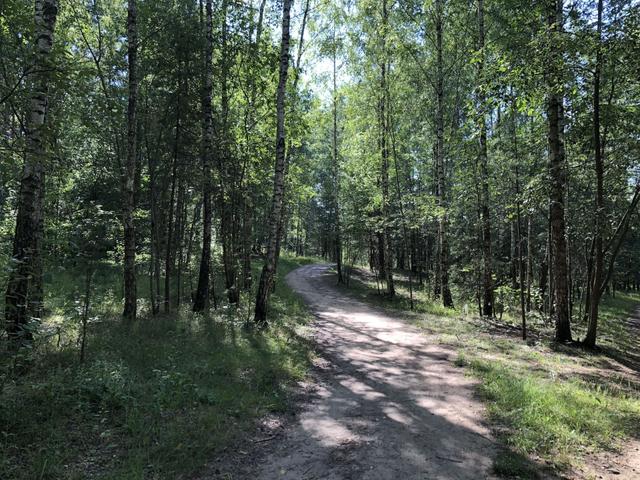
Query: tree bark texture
[[24, 294], [201, 300], [269, 268], [487, 280], [558, 179], [442, 269]]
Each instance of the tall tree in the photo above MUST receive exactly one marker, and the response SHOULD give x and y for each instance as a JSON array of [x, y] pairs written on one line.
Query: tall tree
[[24, 296], [487, 273], [336, 165], [129, 173], [384, 151], [228, 192], [289, 148], [275, 218], [201, 300], [442, 282], [170, 250], [557, 173], [598, 266], [249, 129]]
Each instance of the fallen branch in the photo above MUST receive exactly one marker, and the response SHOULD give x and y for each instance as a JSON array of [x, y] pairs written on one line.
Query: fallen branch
[[265, 439]]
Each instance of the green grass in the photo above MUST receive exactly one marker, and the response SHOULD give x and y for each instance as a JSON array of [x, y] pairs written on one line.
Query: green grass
[[158, 399], [549, 405], [364, 287], [551, 418], [554, 404]]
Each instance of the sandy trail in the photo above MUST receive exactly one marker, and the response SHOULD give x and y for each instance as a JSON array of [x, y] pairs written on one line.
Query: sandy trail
[[388, 402]]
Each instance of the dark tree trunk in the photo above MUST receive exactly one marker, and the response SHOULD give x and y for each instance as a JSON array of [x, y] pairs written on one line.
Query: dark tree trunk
[[442, 268], [594, 297], [192, 231], [529, 262], [519, 243], [228, 174], [128, 182], [558, 179], [247, 200], [24, 295], [154, 264], [181, 221], [403, 253], [290, 148], [513, 258], [487, 280], [201, 300], [169, 251]]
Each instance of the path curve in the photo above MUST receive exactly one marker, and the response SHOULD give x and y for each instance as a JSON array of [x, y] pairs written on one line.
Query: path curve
[[388, 404]]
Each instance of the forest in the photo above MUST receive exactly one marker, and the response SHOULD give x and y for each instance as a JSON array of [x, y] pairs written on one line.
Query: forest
[[281, 239]]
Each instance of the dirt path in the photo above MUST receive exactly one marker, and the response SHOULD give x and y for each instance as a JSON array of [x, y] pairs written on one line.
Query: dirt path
[[388, 404]]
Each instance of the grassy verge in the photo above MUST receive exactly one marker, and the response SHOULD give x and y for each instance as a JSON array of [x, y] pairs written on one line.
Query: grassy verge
[[157, 399], [364, 286], [549, 405]]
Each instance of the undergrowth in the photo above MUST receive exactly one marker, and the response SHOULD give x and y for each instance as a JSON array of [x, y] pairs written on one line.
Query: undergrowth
[[156, 399]]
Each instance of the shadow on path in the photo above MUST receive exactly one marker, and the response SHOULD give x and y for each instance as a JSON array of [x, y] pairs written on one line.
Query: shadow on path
[[387, 404]]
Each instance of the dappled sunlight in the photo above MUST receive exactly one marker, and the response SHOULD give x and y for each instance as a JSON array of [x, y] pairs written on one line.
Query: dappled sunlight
[[388, 403]]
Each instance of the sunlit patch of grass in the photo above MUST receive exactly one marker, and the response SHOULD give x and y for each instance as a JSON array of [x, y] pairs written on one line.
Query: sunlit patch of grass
[[556, 404], [552, 418], [156, 399], [613, 328]]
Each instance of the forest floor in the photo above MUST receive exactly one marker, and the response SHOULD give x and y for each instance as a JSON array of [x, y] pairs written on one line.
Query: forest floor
[[157, 399], [439, 393]]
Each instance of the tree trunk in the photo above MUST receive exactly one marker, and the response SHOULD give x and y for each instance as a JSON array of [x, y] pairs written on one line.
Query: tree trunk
[[192, 230], [247, 200], [169, 258], [529, 262], [129, 194], [442, 269], [519, 243], [594, 297], [384, 150], [405, 255], [154, 265], [85, 310], [487, 281], [558, 179], [247, 277], [268, 271], [289, 149], [336, 168], [523, 310], [201, 300], [513, 256], [181, 222], [24, 296], [228, 177]]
